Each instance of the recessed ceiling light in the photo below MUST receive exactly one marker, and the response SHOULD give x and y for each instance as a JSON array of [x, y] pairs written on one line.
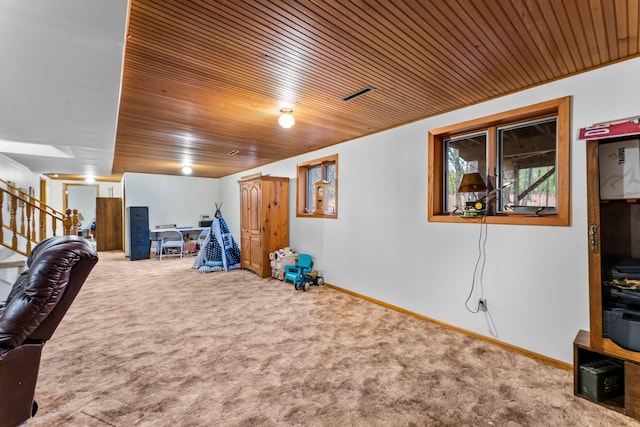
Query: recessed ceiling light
[[186, 169], [90, 180]]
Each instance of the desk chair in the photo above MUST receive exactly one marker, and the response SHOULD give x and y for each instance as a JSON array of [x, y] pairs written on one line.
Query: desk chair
[[171, 241], [202, 237]]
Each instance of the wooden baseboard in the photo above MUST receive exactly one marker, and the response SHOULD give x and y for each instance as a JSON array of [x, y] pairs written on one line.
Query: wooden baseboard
[[528, 353]]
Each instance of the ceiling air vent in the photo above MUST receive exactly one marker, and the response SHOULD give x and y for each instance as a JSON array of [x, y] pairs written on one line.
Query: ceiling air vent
[[233, 152], [357, 94]]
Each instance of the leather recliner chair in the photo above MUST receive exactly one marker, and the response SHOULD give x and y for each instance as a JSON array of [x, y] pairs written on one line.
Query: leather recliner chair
[[57, 268]]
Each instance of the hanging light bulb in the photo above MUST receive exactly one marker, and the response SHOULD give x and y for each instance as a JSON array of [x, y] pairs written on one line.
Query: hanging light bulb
[[286, 119]]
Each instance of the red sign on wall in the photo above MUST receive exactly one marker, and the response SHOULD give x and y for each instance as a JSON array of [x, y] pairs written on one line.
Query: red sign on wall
[[611, 130]]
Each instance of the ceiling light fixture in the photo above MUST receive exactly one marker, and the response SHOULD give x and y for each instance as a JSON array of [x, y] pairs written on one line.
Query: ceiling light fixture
[[286, 119], [90, 180], [186, 169]]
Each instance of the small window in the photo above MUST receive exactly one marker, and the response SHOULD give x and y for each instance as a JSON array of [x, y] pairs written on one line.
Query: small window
[[521, 161], [464, 154], [318, 188], [527, 167]]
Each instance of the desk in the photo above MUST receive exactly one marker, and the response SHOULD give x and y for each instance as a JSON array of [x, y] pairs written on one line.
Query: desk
[[186, 231]]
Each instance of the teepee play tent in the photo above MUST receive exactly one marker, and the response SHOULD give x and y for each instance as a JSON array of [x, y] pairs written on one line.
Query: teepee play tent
[[219, 250]]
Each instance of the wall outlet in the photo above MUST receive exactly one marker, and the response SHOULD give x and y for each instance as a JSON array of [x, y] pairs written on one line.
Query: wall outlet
[[482, 304]]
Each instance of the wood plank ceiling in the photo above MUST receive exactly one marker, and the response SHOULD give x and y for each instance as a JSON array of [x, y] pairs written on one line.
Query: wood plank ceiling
[[205, 78]]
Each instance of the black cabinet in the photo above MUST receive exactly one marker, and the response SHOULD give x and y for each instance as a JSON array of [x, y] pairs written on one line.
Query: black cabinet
[[139, 232]]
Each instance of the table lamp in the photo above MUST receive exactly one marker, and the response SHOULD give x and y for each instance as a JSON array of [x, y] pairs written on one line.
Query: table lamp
[[473, 183]]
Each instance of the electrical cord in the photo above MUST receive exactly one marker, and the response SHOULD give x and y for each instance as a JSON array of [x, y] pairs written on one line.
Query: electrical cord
[[490, 324], [478, 274], [478, 271]]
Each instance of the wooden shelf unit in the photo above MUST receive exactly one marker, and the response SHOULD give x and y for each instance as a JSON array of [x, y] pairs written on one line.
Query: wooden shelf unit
[[613, 232], [629, 403]]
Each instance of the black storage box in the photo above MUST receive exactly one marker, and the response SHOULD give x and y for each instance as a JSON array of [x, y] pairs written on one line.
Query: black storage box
[[602, 380], [205, 223], [627, 268], [623, 327]]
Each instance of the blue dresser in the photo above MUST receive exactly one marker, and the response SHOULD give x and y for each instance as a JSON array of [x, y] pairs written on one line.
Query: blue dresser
[[139, 232]]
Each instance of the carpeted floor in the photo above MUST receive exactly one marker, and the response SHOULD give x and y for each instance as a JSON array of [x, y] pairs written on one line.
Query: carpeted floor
[[156, 343]]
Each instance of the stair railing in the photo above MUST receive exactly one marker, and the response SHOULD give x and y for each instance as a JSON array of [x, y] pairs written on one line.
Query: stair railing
[[30, 220]]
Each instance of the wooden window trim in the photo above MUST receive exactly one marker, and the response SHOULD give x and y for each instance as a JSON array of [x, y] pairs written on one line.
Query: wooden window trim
[[301, 184], [435, 198]]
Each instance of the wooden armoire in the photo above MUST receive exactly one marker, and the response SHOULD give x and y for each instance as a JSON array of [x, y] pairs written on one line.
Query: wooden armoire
[[108, 223], [264, 221]]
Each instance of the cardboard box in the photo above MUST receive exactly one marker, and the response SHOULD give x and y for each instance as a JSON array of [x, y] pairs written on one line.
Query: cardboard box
[[620, 170]]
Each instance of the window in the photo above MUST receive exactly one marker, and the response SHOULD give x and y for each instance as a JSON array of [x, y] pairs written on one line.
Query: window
[[318, 188], [527, 177], [522, 157], [464, 154]]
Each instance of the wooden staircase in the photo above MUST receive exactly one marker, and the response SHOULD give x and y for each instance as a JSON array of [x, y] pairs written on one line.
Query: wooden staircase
[[25, 220]]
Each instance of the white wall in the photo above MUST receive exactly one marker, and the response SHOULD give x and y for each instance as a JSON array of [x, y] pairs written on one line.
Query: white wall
[[55, 191], [10, 170], [84, 197], [382, 246], [176, 200], [179, 200]]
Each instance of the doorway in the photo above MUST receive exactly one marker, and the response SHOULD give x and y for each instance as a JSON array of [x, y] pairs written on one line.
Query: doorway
[[83, 198]]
